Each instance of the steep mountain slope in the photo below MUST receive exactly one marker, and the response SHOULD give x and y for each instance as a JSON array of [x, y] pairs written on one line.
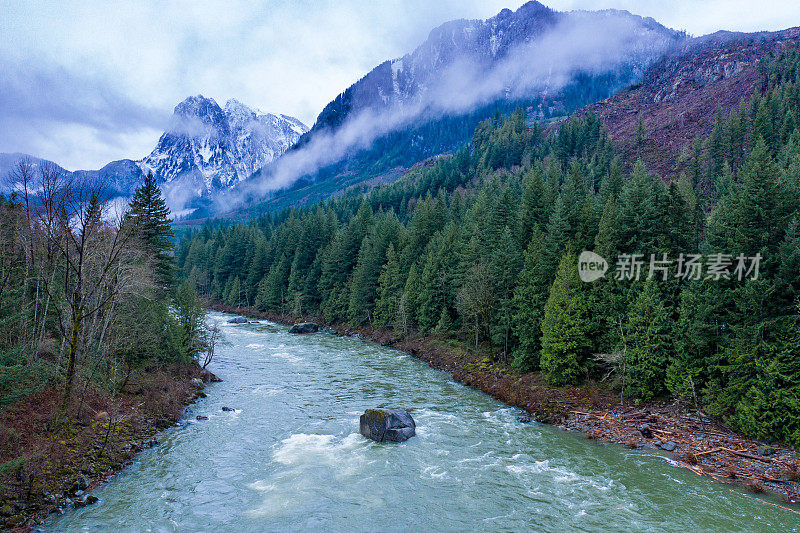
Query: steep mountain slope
[[468, 62], [207, 148], [428, 102], [680, 95]]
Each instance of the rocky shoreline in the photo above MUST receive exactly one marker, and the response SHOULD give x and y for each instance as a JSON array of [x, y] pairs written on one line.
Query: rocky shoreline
[[686, 437], [62, 468]]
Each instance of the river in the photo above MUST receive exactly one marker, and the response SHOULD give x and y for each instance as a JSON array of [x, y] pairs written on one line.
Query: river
[[290, 458]]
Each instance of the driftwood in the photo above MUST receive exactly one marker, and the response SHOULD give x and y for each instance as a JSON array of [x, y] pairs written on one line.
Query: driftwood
[[703, 445]]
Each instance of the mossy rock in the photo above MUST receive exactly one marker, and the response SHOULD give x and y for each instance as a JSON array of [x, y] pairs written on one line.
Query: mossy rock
[[382, 425], [304, 327]]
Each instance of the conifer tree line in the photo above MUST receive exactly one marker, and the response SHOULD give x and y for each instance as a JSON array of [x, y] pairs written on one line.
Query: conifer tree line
[[481, 248], [87, 296]]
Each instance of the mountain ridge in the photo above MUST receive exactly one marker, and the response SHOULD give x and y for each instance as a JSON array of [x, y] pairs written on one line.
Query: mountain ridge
[[533, 57], [205, 148], [680, 95]]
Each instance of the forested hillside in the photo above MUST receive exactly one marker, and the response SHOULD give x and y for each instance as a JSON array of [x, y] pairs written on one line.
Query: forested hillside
[[90, 317], [482, 247], [390, 155]]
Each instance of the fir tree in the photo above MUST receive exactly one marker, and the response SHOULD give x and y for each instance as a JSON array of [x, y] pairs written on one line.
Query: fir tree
[[565, 343], [529, 298], [649, 344], [149, 216], [390, 285]]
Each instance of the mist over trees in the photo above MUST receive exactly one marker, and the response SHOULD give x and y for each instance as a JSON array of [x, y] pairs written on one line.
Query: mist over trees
[[481, 247]]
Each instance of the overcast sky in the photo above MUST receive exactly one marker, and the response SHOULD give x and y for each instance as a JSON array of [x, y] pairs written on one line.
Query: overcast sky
[[87, 82]]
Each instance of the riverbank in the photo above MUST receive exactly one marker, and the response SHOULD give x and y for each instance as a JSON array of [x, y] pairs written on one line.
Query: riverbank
[[686, 437], [43, 470]]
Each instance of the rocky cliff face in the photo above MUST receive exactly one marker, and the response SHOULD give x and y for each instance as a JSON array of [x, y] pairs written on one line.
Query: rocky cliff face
[[506, 56], [208, 147]]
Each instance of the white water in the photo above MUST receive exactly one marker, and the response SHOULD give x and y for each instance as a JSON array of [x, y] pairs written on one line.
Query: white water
[[290, 458]]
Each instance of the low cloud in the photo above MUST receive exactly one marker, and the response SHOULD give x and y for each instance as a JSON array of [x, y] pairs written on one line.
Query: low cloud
[[581, 43], [44, 105]]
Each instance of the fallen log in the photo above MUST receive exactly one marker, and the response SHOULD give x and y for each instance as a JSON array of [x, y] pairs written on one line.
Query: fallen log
[[714, 450], [750, 456]]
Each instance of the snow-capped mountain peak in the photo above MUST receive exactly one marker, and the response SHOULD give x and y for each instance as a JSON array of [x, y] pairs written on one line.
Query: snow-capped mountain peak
[[207, 147]]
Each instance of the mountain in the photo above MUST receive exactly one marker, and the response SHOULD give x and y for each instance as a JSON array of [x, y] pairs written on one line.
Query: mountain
[[497, 48], [215, 147], [8, 165], [206, 148], [429, 101], [680, 95]]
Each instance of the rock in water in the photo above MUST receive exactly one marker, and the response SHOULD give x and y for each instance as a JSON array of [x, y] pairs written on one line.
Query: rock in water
[[84, 501], [304, 327], [381, 425], [238, 320]]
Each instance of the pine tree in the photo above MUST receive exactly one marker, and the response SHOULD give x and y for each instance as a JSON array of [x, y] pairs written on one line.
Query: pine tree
[[530, 296], [753, 217], [437, 286], [698, 339], [534, 209], [649, 344], [390, 285], [445, 324], [149, 216], [505, 265], [638, 215], [409, 302]]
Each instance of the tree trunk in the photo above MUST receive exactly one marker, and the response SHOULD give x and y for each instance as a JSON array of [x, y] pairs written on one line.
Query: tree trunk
[[73, 351]]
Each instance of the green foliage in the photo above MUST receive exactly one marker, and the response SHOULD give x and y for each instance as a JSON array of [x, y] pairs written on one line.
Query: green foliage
[[529, 298], [185, 332], [649, 344], [565, 343], [149, 215], [389, 292], [472, 245]]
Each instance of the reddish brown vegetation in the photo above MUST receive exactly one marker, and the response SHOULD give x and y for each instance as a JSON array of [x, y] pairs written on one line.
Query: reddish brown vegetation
[[105, 433], [679, 96]]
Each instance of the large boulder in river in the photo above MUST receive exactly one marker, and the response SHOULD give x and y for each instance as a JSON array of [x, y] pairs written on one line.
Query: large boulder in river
[[304, 327], [238, 320], [381, 425]]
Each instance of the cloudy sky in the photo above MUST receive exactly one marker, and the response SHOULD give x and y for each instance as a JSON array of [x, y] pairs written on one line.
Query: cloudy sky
[[87, 82]]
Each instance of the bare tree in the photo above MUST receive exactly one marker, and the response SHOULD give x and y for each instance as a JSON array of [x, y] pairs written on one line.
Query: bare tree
[[214, 337], [89, 254]]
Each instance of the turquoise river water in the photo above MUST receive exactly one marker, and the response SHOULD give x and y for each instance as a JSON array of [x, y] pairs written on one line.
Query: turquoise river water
[[290, 458]]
